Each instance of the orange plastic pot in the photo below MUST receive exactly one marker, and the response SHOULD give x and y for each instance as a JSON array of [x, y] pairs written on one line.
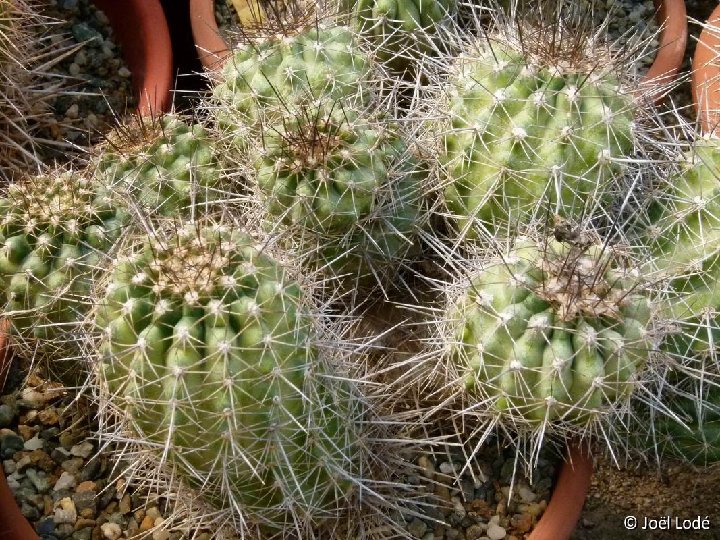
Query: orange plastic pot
[[706, 76], [142, 30]]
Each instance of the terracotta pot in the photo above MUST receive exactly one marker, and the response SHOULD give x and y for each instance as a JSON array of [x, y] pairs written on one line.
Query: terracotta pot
[[211, 47], [706, 76], [142, 31], [672, 18], [13, 525], [568, 497]]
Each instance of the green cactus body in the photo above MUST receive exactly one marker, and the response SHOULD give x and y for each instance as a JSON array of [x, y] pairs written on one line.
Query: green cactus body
[[684, 231], [209, 351], [346, 187], [167, 171], [692, 431], [402, 29], [551, 332], [54, 232], [525, 140], [265, 82]]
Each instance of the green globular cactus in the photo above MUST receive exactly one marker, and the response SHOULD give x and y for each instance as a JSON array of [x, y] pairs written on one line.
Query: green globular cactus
[[55, 230], [527, 137], [347, 187], [210, 354], [403, 30], [553, 331], [167, 167], [266, 81]]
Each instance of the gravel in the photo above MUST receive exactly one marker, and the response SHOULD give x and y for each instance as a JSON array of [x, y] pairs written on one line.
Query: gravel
[[63, 487], [99, 81]]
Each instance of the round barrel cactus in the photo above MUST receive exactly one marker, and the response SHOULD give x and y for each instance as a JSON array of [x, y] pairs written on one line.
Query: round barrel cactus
[[54, 231], [267, 81], [211, 355], [527, 137], [166, 167], [401, 29], [345, 185], [553, 331]]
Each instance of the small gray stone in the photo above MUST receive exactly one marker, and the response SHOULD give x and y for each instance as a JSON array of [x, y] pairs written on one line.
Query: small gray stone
[[495, 531], [10, 443], [9, 466], [447, 468], [82, 32], [39, 480], [84, 500], [417, 528], [7, 414]]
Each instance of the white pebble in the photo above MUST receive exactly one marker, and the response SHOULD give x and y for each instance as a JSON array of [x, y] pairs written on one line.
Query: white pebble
[[526, 494], [83, 450], [111, 531], [35, 443], [66, 481], [495, 532]]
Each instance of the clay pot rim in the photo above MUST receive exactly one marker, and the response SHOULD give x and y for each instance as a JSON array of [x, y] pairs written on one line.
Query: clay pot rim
[[213, 50], [706, 76], [142, 29]]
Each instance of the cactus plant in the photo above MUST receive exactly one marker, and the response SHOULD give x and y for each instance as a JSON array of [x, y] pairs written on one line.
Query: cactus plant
[[270, 79], [168, 165], [210, 353], [536, 118], [345, 185], [523, 133], [549, 332], [55, 231], [403, 30]]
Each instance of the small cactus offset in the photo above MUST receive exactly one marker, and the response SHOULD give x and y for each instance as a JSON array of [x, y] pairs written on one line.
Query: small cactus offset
[[210, 355], [55, 231], [169, 166], [549, 338]]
